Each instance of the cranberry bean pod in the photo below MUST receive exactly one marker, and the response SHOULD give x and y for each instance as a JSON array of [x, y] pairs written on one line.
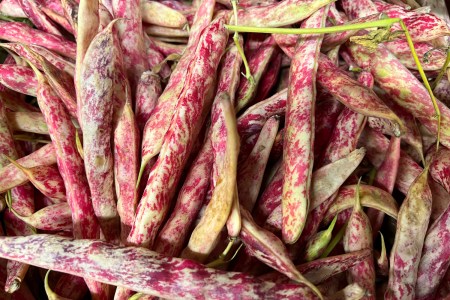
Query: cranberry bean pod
[[279, 14], [412, 225], [10, 176], [358, 236], [159, 190], [318, 242], [96, 90], [250, 173], [270, 76], [159, 14], [21, 33], [234, 221], [298, 154], [225, 144], [18, 78], [62, 254], [27, 122], [166, 49], [370, 196], [356, 10], [440, 168], [12, 8], [39, 19], [57, 217], [58, 19], [147, 93]]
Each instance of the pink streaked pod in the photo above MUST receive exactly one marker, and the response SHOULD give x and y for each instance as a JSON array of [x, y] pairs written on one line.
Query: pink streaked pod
[[96, 88], [269, 249], [62, 254], [166, 32], [254, 117], [155, 59], [327, 111], [298, 154], [131, 39], [344, 138], [358, 236], [10, 176], [167, 49], [234, 221], [403, 87], [434, 261], [62, 133], [59, 19], [27, 122], [86, 30], [71, 8], [377, 144], [159, 14], [14, 102], [278, 14], [258, 62], [230, 72], [39, 19], [147, 93], [126, 157], [21, 33], [46, 179], [183, 126], [442, 91], [159, 122], [18, 78], [270, 198], [225, 144], [56, 60], [104, 17], [319, 270], [353, 94], [430, 58], [62, 83], [57, 217], [385, 179], [440, 167], [250, 173], [412, 224], [370, 196], [270, 76], [361, 9]]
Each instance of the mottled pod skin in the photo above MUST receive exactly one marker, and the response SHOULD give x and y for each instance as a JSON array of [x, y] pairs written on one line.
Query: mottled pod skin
[[18, 78], [353, 94], [159, 14], [39, 19], [278, 14], [370, 196], [57, 217], [225, 144], [344, 138], [126, 160], [167, 170], [62, 133], [27, 122], [10, 176], [268, 248], [358, 236], [440, 167], [258, 62], [250, 173], [403, 87], [131, 39], [270, 76], [147, 93], [159, 122], [47, 180], [359, 9], [412, 224], [96, 90], [111, 264], [254, 117], [56, 60], [298, 155], [434, 262]]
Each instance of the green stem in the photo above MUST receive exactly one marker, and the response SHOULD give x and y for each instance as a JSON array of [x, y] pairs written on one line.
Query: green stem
[[334, 242], [442, 72], [248, 73], [333, 29]]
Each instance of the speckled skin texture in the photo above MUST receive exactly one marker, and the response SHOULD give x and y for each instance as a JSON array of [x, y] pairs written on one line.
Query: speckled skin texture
[[18, 78], [298, 154], [412, 224], [150, 273], [39, 19]]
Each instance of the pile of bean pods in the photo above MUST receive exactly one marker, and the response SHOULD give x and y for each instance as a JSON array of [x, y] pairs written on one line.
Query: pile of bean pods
[[260, 149]]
